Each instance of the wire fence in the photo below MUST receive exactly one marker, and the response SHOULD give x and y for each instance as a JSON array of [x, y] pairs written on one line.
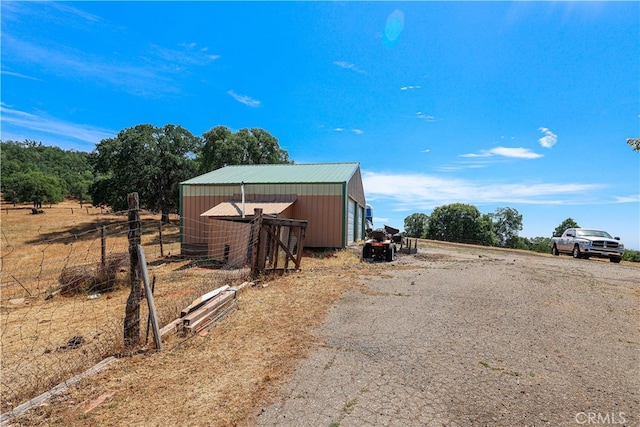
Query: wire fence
[[64, 283]]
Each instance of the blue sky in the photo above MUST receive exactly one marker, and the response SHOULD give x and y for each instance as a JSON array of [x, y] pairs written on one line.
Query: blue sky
[[519, 104]]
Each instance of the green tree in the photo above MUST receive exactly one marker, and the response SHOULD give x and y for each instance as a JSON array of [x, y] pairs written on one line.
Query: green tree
[[507, 222], [415, 225], [246, 147], [32, 186], [145, 159], [567, 223], [459, 222], [634, 143], [540, 244], [70, 167]]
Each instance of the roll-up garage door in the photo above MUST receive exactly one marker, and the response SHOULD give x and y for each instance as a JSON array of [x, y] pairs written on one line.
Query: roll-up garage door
[[359, 223], [351, 221]]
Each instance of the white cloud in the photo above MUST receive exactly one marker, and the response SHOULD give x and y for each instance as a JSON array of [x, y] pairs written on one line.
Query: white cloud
[[425, 150], [185, 56], [518, 153], [15, 10], [355, 131], [23, 123], [425, 117], [244, 99], [22, 76], [549, 139], [149, 78], [152, 73], [634, 198], [474, 155], [76, 12], [349, 66], [421, 191], [410, 87]]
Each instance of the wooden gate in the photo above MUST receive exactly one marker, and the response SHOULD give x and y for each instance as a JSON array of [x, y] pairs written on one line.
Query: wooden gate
[[277, 243]]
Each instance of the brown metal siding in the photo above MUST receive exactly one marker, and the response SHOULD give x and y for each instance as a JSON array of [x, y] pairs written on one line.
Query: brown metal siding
[[320, 204], [324, 214], [355, 189]]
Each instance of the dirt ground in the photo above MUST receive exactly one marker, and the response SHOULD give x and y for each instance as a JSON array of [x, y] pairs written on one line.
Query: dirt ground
[[454, 335]]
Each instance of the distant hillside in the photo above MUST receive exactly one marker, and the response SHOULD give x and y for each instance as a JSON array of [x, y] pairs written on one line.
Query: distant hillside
[[33, 172]]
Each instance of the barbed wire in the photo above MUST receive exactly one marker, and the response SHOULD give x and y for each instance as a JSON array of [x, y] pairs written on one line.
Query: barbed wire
[[63, 291]]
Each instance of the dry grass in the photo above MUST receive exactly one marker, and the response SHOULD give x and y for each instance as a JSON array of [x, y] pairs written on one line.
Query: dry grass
[[45, 256], [216, 379], [223, 377]]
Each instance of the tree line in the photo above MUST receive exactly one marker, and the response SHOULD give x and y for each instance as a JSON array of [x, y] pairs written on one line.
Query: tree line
[[32, 172], [463, 223], [147, 159]]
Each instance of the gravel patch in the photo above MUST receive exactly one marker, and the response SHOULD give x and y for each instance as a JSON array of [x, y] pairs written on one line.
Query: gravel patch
[[474, 337]]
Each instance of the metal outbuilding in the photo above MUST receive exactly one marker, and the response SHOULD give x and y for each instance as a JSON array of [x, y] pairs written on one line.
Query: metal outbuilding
[[330, 196]]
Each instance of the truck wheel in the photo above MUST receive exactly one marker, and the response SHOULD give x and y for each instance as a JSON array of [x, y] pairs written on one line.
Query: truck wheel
[[554, 250], [615, 259], [576, 252], [389, 253]]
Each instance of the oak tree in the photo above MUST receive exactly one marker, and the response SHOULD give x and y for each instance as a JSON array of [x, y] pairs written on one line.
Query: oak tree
[[254, 146], [149, 160]]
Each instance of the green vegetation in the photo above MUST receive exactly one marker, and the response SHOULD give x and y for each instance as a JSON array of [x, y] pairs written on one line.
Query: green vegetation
[[415, 225], [567, 223], [631, 255], [145, 159], [535, 244], [149, 160], [246, 147], [32, 172], [348, 407], [506, 222], [462, 223]]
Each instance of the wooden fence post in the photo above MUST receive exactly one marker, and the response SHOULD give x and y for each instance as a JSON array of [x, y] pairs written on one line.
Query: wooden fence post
[[255, 251], [148, 292], [103, 246], [160, 237], [132, 310]]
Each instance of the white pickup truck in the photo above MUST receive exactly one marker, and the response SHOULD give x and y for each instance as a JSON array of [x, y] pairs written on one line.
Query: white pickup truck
[[585, 243]]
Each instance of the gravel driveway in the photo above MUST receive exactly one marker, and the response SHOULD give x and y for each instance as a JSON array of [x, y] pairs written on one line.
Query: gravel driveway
[[462, 336]]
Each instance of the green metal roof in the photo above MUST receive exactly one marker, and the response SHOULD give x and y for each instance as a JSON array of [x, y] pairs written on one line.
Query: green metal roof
[[278, 174]]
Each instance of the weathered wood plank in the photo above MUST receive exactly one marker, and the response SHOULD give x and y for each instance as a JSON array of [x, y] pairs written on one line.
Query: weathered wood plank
[[60, 388], [198, 302], [208, 307], [150, 302], [172, 326], [285, 222], [209, 317]]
